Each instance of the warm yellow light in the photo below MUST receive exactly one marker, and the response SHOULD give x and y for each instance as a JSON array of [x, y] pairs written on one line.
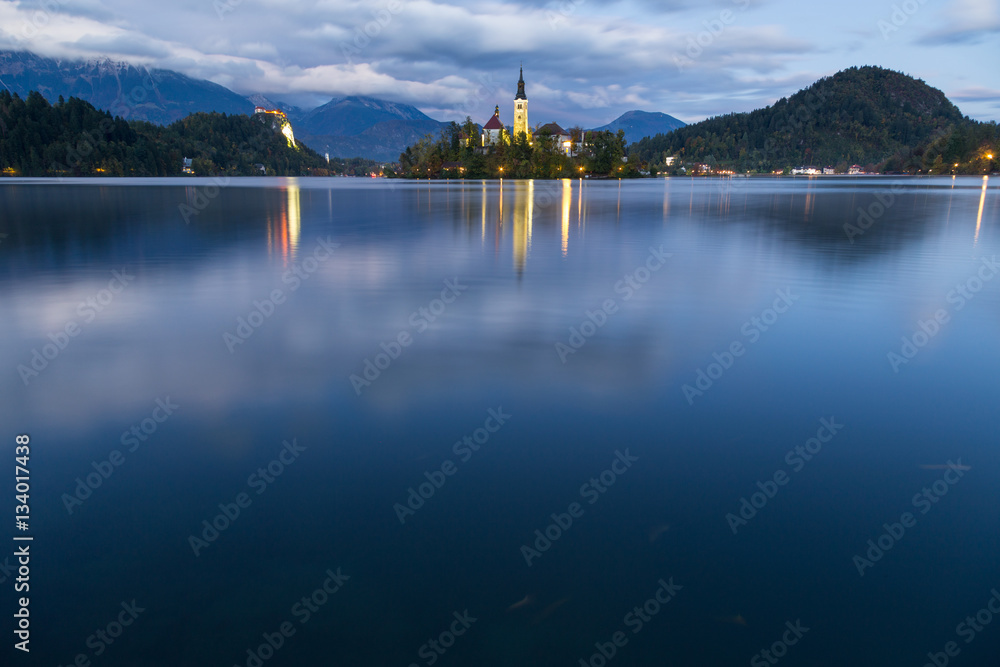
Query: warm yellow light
[[990, 156]]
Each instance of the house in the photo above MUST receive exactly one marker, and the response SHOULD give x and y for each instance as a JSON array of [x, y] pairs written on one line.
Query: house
[[829, 171], [186, 166], [563, 139], [855, 170]]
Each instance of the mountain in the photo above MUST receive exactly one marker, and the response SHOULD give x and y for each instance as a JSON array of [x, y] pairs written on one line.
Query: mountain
[[861, 115], [348, 127], [383, 141], [350, 116], [74, 138], [639, 124], [365, 126], [135, 93]]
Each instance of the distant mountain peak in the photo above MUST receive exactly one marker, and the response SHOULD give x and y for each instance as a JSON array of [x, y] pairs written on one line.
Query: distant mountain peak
[[639, 124]]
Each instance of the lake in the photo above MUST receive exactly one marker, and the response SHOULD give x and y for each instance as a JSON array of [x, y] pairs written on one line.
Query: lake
[[369, 422]]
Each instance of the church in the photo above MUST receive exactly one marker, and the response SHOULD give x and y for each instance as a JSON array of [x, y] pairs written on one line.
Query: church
[[494, 130]]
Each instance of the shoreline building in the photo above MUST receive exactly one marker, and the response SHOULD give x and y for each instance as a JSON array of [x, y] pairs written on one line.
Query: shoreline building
[[563, 139]]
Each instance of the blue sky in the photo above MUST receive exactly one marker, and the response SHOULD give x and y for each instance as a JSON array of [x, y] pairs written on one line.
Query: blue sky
[[585, 61]]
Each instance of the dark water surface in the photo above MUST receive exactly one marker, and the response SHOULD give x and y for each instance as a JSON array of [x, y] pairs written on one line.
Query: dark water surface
[[635, 358]]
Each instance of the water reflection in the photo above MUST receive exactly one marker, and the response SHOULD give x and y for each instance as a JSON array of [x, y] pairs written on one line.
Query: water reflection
[[982, 203], [284, 228], [567, 202], [524, 208]]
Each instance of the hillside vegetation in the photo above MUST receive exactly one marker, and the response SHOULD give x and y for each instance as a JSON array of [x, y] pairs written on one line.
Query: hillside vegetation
[[72, 138], [868, 116]]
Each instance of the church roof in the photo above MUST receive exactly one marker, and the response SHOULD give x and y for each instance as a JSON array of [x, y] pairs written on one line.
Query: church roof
[[551, 128], [493, 123]]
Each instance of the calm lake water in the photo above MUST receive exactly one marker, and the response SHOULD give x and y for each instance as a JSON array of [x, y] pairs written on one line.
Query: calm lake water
[[706, 396]]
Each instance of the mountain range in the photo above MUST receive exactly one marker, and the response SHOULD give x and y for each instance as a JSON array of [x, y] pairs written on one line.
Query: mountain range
[[134, 93], [343, 127]]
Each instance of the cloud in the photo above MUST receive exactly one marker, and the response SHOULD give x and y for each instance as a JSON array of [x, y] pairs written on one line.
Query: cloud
[[966, 22], [123, 45], [585, 61], [975, 94]]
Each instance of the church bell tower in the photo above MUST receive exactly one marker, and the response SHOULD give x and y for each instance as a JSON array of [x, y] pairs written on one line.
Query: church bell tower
[[521, 109]]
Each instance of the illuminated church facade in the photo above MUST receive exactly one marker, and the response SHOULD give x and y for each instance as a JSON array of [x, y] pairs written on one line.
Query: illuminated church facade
[[494, 130]]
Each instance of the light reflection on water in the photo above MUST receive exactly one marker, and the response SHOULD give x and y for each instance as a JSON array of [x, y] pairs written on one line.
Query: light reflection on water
[[539, 260]]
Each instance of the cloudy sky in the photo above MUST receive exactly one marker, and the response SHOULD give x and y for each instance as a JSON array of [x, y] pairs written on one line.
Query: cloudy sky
[[585, 61]]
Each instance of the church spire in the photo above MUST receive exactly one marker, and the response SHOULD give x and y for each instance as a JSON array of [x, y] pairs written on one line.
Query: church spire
[[521, 110]]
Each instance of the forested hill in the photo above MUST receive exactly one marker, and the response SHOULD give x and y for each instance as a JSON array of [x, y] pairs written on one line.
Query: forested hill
[[73, 138], [861, 115]]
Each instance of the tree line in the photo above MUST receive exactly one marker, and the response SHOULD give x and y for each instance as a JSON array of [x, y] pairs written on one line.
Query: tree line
[[72, 138], [879, 119], [457, 153]]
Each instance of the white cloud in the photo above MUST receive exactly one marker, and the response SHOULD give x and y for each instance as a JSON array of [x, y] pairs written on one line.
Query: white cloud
[[590, 65]]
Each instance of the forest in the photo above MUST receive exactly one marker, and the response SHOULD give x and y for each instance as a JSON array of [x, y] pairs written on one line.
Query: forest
[[72, 138], [457, 153], [882, 120]]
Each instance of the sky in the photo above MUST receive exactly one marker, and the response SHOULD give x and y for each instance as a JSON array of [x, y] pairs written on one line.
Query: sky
[[585, 62]]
